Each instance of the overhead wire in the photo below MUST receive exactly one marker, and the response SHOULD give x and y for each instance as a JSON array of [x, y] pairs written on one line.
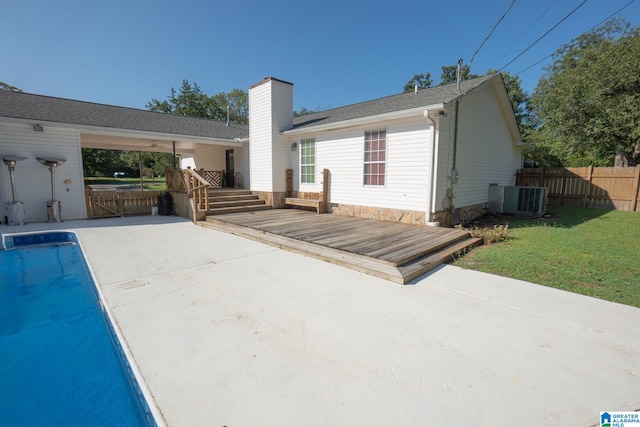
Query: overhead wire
[[491, 32], [525, 33], [589, 30], [544, 35]]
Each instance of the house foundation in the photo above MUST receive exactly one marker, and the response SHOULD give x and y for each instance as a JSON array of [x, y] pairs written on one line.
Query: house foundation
[[380, 214], [464, 216]]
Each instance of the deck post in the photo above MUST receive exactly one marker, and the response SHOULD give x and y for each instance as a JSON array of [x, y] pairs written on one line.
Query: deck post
[[324, 204], [289, 183]]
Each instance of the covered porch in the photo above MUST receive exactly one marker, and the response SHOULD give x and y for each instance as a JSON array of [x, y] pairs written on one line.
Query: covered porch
[[201, 172], [35, 126]]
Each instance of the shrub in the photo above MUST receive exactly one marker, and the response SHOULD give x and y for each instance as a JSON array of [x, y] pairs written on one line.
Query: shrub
[[495, 234]]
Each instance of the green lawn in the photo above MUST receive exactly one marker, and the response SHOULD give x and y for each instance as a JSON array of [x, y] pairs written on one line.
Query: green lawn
[[159, 184], [586, 251]]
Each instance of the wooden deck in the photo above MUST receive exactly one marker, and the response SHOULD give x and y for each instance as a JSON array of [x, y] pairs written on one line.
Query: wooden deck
[[392, 251]]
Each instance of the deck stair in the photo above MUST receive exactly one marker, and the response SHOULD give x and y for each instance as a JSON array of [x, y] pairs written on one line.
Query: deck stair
[[392, 251], [225, 201]]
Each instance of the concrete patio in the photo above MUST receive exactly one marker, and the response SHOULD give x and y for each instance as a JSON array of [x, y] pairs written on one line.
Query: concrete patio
[[229, 331]]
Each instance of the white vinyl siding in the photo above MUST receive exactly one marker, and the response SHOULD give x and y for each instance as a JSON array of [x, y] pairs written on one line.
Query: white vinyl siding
[[210, 157], [375, 157], [33, 180], [242, 166], [260, 131], [270, 113], [407, 170], [308, 161], [485, 154]]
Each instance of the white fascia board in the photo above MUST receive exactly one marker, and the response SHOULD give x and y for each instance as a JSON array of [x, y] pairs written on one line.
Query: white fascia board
[[179, 150], [129, 133], [160, 136], [420, 111]]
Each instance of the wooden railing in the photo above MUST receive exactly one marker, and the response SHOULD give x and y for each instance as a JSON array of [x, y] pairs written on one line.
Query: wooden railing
[[191, 183], [214, 178]]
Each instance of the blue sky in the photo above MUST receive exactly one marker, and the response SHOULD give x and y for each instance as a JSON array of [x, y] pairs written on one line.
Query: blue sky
[[334, 52]]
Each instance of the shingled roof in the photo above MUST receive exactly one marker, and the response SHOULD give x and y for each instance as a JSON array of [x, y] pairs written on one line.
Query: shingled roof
[[41, 108], [404, 101]]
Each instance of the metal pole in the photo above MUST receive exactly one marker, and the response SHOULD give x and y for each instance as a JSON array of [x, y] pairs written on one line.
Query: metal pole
[[174, 155], [140, 168], [52, 168], [13, 181]]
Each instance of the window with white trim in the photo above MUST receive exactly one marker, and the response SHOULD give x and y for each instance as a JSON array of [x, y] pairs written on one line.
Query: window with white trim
[[308, 161], [375, 157]]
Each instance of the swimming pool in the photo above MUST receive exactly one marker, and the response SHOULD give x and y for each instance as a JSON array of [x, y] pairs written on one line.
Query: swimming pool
[[61, 363]]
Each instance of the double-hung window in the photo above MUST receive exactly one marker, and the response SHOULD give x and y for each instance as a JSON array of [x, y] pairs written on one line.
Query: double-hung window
[[375, 157], [308, 161]]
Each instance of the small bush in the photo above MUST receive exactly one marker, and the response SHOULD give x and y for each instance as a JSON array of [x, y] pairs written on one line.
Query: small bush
[[495, 234]]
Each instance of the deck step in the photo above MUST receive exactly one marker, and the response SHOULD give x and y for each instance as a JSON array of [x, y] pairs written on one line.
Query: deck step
[[216, 192], [237, 209], [231, 198], [304, 233], [422, 265], [217, 203]]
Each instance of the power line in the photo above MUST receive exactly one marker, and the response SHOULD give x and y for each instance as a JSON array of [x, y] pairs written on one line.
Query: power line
[[525, 33], [491, 32], [544, 35], [588, 31]]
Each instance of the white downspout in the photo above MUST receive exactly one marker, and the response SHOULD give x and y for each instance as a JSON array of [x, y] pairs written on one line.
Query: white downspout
[[435, 144]]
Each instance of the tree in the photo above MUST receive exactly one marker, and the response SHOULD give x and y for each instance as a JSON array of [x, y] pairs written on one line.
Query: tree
[[191, 101], [238, 103], [588, 99], [304, 111], [153, 163], [422, 81], [97, 162], [8, 87], [518, 97], [450, 73]]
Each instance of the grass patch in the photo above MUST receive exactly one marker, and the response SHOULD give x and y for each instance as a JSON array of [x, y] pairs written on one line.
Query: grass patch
[[587, 251], [159, 184]]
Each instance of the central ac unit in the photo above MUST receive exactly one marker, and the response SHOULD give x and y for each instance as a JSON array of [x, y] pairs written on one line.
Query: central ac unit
[[525, 201]]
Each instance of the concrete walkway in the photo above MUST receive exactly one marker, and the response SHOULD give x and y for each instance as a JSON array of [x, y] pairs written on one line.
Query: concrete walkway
[[228, 331]]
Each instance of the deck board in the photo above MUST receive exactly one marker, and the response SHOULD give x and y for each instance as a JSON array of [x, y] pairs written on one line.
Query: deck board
[[392, 251]]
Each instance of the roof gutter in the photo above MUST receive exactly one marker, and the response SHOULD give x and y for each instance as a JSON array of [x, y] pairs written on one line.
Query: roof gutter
[[419, 111], [435, 146]]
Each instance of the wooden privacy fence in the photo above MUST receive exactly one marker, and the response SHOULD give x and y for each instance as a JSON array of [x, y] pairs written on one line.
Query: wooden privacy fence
[[105, 204], [588, 187]]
